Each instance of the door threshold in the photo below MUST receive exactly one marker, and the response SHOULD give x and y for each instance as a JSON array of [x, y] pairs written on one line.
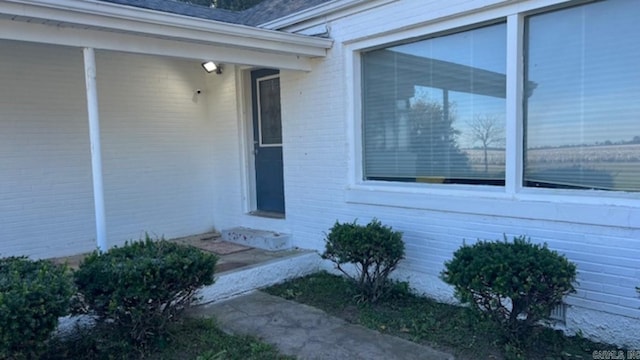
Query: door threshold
[[267, 214]]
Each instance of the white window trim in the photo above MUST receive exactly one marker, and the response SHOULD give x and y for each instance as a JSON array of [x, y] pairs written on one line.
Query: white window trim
[[514, 132], [607, 208]]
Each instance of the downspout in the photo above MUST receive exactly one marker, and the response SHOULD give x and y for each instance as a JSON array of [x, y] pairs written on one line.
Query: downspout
[[96, 153]]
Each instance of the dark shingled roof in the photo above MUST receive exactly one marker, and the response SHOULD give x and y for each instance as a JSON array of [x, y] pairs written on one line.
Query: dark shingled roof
[[182, 8], [265, 11], [269, 10]]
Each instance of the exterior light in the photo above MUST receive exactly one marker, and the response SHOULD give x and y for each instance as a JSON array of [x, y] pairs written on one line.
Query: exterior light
[[210, 67]]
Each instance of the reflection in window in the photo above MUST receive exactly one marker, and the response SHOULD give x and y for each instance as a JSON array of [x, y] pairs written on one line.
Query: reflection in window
[[581, 122], [434, 110], [269, 111]]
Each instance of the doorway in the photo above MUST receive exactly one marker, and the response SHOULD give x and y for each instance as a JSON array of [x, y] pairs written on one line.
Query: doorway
[[267, 142]]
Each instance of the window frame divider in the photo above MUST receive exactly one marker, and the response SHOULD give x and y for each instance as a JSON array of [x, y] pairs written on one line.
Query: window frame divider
[[514, 127]]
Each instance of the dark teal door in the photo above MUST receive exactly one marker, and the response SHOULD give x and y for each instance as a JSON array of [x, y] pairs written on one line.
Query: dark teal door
[[267, 140]]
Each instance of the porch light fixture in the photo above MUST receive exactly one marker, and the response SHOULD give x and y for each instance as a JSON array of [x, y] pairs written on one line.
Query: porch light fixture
[[210, 67]]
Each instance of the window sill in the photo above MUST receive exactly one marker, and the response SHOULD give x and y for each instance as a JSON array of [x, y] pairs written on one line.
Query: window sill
[[582, 207]]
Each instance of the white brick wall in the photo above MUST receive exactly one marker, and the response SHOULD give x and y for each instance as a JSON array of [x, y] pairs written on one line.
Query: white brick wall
[[316, 115], [223, 105], [156, 147], [45, 173]]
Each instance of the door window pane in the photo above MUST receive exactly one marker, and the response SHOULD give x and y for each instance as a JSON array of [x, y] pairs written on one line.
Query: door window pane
[[582, 68], [269, 106], [434, 110]]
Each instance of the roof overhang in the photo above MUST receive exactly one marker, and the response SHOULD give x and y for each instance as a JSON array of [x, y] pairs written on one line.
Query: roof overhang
[[109, 26]]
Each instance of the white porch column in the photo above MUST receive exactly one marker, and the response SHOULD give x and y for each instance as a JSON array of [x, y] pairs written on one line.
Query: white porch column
[[96, 155]]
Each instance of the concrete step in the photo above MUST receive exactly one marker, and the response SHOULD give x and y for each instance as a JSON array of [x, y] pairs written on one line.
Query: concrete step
[[234, 282], [261, 239]]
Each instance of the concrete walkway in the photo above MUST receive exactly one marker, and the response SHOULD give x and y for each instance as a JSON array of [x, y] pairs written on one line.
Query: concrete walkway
[[309, 333]]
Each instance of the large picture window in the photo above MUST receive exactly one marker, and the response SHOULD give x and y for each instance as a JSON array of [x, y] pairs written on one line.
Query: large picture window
[[582, 120], [434, 109]]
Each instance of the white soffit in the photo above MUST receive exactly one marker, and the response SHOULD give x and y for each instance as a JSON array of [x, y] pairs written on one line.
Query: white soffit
[[104, 25]]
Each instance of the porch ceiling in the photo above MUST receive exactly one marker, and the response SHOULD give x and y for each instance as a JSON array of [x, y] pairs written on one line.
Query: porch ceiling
[[104, 25]]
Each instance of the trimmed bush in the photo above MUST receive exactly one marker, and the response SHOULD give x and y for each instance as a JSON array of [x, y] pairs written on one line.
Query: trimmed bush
[[516, 284], [143, 286], [374, 250], [33, 295]]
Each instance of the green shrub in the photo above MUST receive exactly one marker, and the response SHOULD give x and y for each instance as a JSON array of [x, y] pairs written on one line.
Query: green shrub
[[374, 250], [33, 295], [516, 284], [143, 286]]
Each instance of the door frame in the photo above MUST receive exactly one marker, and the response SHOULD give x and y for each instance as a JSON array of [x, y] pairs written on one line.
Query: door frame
[[245, 127], [268, 158]]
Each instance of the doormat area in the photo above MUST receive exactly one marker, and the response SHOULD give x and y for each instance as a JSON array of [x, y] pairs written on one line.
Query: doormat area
[[221, 247], [213, 243]]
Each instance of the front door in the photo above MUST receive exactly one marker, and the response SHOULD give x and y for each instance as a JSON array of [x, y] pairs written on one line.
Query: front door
[[267, 141]]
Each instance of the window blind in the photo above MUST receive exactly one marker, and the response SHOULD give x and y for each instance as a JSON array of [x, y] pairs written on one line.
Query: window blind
[[582, 128], [434, 111]]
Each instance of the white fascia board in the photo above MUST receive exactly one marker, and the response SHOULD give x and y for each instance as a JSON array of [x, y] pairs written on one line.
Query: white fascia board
[[107, 40], [322, 11], [122, 18]]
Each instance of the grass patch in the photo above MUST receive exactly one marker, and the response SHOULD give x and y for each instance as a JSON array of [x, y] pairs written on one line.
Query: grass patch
[[190, 338], [449, 328]]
